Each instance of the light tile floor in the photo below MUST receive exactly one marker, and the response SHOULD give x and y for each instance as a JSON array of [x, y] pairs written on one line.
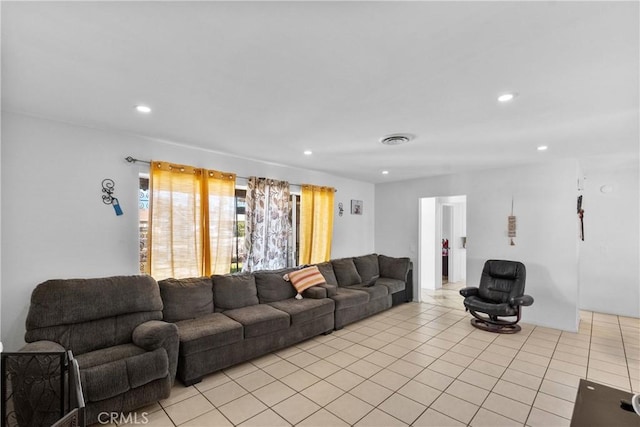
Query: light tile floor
[[419, 364]]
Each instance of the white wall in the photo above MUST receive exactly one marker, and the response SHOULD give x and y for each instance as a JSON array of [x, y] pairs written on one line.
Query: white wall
[[54, 224], [609, 256], [458, 254], [545, 199], [429, 245], [1, 345]]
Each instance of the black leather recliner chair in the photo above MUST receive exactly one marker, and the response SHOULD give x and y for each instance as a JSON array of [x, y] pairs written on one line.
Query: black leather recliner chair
[[500, 294]]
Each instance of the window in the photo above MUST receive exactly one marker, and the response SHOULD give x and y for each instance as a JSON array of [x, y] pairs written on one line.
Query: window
[[295, 229], [191, 221], [239, 226], [238, 253]]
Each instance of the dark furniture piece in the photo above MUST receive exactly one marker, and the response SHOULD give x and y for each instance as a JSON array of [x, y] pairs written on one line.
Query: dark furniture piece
[[228, 319], [500, 294], [127, 355], [41, 389], [75, 416], [598, 405], [408, 290]]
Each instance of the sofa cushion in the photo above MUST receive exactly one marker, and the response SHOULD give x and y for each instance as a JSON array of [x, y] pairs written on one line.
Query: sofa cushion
[[64, 302], [84, 337], [331, 289], [100, 357], [112, 371], [305, 310], [305, 278], [367, 266], [346, 272], [315, 292], [207, 332], [374, 291], [261, 319], [272, 287], [393, 285], [186, 298], [393, 268], [232, 291], [478, 304], [346, 298], [326, 269]]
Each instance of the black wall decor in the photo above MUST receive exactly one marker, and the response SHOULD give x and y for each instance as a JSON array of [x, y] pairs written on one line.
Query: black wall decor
[[108, 187]]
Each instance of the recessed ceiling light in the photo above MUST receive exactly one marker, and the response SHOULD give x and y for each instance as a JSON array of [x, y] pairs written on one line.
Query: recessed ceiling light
[[397, 139], [542, 148], [385, 172], [143, 109], [308, 152], [506, 97]]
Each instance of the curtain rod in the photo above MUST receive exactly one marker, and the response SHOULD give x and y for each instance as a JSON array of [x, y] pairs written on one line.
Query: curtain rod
[[147, 162]]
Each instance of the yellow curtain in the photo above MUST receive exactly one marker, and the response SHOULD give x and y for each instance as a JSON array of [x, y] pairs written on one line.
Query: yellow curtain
[[222, 216], [316, 224], [191, 221]]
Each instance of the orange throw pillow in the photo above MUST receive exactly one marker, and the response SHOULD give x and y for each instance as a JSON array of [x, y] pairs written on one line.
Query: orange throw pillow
[[305, 278]]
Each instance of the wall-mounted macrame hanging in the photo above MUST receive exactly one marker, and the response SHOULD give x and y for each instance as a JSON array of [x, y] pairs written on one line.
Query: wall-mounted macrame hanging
[[511, 226]]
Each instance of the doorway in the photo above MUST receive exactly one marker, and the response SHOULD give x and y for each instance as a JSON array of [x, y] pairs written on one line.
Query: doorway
[[442, 256]]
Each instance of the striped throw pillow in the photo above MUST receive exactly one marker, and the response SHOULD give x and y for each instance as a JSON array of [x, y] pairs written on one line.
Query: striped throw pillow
[[305, 278]]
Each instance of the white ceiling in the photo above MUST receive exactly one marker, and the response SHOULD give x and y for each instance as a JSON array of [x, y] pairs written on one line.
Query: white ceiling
[[268, 80]]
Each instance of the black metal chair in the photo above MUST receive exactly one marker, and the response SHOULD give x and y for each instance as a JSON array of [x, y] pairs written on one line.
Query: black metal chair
[[500, 294], [41, 389]]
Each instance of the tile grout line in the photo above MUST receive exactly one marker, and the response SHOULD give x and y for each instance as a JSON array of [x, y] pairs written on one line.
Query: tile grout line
[[348, 391], [412, 378], [498, 380], [394, 392], [586, 376], [542, 381], [447, 319], [321, 379], [624, 350], [626, 361], [454, 378]]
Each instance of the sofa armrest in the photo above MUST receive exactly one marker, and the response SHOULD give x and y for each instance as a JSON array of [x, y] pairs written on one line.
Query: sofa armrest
[[315, 292], [469, 291], [154, 334], [523, 300], [42, 347]]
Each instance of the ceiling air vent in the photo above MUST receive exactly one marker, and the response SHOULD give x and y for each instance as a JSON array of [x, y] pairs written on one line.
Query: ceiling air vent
[[396, 139]]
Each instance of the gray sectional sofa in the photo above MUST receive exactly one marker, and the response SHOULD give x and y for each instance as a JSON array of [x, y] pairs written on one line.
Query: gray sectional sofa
[[131, 334], [228, 319]]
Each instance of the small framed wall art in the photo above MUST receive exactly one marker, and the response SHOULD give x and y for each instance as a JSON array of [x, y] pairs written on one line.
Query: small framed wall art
[[356, 207]]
